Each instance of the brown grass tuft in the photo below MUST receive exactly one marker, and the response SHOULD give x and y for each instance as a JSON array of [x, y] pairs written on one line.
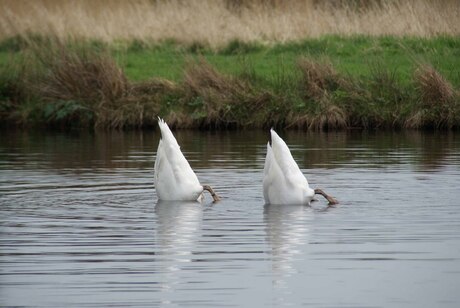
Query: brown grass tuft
[[77, 81], [87, 77], [326, 115], [220, 100], [319, 78], [330, 116], [436, 106], [434, 89]]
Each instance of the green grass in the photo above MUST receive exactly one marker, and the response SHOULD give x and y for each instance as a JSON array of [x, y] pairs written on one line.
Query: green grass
[[363, 82], [354, 55]]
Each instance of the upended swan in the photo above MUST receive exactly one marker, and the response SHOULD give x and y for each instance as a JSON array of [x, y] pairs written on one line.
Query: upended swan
[[283, 181], [174, 179]]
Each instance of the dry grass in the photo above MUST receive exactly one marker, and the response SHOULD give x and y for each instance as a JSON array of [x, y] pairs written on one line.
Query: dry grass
[[88, 77], [329, 116], [83, 85], [326, 115], [220, 100], [319, 80], [436, 105], [216, 22], [434, 89]]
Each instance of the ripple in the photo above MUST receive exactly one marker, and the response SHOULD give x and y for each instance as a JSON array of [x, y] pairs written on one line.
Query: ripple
[[87, 232]]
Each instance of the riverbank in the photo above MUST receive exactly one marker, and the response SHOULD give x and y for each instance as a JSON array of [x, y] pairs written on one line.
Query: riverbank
[[331, 82]]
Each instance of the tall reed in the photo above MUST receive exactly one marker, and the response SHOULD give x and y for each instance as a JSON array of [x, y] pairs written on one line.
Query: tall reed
[[216, 22]]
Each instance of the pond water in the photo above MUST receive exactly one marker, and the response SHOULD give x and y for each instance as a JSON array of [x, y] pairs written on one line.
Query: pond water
[[81, 225]]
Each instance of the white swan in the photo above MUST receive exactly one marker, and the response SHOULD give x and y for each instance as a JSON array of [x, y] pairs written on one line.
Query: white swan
[[174, 178], [283, 182]]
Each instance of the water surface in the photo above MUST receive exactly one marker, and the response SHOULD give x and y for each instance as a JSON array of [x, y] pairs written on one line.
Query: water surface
[[81, 225]]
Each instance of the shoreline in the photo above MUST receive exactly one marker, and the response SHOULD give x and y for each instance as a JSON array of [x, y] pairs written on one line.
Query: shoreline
[[333, 82]]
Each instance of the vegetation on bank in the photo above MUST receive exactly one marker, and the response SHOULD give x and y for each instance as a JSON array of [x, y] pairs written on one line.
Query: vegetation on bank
[[327, 83]]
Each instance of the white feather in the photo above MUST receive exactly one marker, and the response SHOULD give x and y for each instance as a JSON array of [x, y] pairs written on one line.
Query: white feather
[[174, 178], [283, 182]]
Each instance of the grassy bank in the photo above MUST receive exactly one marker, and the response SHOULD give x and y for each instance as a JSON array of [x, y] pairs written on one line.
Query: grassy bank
[[332, 82]]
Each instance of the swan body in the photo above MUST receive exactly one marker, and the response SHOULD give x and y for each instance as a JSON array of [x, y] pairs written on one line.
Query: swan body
[[174, 179], [283, 181]]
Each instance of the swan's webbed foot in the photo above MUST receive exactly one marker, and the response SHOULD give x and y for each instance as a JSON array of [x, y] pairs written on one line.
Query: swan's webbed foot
[[214, 196], [331, 199]]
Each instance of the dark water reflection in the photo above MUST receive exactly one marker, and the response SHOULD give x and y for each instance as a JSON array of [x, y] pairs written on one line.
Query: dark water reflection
[[233, 149], [81, 226]]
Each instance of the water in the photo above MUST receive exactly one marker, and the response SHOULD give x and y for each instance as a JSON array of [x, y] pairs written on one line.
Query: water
[[81, 225]]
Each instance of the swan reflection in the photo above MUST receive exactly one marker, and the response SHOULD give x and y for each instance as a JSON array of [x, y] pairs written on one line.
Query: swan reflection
[[177, 231], [286, 231], [178, 226]]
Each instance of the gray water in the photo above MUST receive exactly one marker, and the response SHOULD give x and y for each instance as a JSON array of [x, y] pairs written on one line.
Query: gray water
[[81, 225]]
